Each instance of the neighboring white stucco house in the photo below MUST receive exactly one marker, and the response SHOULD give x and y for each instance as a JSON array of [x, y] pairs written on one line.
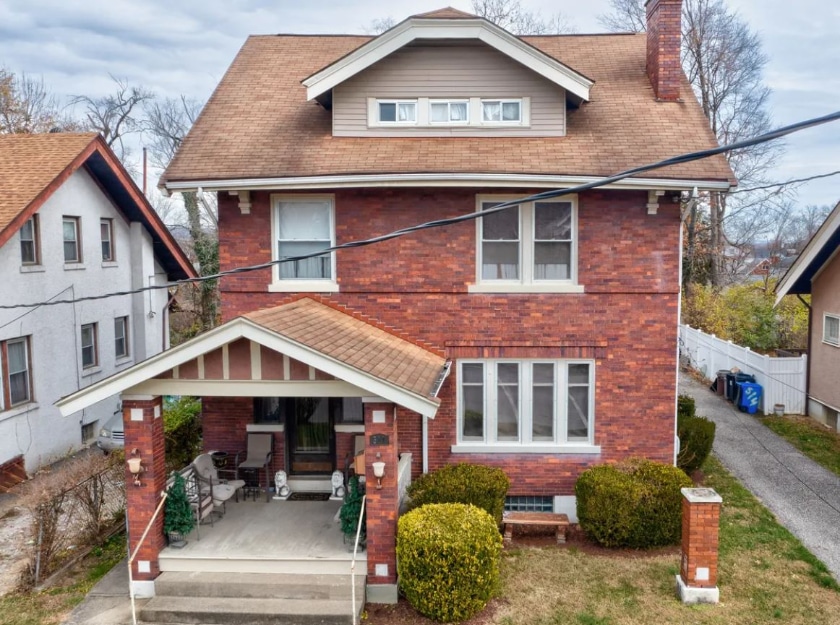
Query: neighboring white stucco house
[[72, 225]]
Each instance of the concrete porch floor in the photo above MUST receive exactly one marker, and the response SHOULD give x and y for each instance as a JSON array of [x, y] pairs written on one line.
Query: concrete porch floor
[[268, 537]]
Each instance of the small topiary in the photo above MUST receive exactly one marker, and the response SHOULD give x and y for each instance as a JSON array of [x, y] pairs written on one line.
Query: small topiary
[[479, 485], [685, 406], [697, 435], [448, 560], [177, 514], [635, 504]]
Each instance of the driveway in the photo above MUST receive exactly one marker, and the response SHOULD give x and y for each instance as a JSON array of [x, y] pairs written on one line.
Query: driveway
[[804, 496]]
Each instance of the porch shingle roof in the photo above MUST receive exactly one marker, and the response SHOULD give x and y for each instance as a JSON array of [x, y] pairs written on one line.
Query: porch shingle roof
[[354, 342]]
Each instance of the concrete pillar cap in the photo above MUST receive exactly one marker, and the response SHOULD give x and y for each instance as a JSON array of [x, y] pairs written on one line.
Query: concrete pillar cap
[[701, 495]]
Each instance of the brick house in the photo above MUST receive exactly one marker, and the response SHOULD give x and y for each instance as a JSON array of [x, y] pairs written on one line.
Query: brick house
[[540, 339]]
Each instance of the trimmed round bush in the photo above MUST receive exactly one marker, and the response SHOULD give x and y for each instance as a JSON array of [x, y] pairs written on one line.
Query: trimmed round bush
[[448, 560], [479, 485], [635, 504], [697, 434]]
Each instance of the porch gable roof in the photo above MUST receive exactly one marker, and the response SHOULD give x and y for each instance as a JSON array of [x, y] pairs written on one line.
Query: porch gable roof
[[327, 339]]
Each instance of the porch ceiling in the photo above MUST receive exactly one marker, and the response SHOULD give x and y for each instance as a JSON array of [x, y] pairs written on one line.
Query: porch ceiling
[[303, 348]]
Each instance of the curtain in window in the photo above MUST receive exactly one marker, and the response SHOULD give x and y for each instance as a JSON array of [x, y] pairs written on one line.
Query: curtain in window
[[552, 240], [70, 249], [507, 410], [458, 111], [510, 112], [405, 112], [500, 246], [492, 111], [304, 228], [578, 406], [542, 418]]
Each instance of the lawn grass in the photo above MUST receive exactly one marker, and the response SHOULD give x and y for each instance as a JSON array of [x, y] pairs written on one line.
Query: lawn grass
[[766, 576], [50, 607], [813, 439]]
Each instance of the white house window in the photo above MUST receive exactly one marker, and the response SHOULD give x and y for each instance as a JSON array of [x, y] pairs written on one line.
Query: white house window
[[397, 111], [121, 337], [303, 226], [70, 233], [532, 244], [106, 229], [449, 112], [521, 404], [30, 252], [501, 111], [831, 329], [18, 379], [90, 351]]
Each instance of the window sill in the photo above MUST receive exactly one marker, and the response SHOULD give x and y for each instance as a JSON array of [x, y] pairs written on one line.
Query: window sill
[[106, 264], [308, 286], [502, 287], [32, 269], [73, 266], [123, 360], [20, 409], [350, 428], [829, 343], [465, 448], [265, 427], [89, 371]]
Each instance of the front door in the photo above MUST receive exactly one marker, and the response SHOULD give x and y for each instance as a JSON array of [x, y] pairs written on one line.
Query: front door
[[311, 436]]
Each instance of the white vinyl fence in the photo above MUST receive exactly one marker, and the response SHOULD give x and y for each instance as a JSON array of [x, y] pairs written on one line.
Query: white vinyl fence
[[782, 379]]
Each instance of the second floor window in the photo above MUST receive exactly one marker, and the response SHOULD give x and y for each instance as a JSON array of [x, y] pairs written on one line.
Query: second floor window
[[121, 337], [30, 252], [449, 112], [831, 330], [501, 111], [90, 350], [70, 233], [106, 228], [304, 226], [397, 111], [18, 372]]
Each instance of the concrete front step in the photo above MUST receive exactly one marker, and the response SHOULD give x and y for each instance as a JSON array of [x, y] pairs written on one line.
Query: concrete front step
[[235, 565], [309, 484], [258, 585], [230, 611]]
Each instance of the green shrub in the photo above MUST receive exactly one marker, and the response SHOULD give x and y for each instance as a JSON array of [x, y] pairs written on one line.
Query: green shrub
[[351, 509], [685, 406], [181, 430], [635, 504], [474, 484], [697, 434], [448, 560]]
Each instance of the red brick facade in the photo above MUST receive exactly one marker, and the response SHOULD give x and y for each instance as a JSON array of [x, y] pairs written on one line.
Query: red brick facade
[[664, 32]]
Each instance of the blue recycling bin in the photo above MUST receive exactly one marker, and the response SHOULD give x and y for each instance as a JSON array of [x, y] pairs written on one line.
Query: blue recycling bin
[[749, 397]]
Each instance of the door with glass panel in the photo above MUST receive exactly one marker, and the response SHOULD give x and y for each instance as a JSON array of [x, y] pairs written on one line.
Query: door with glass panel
[[310, 432]]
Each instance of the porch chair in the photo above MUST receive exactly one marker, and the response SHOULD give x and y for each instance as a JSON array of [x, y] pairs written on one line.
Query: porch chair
[[208, 477], [257, 456]]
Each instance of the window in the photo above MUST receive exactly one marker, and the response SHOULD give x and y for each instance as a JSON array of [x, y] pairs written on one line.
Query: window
[[106, 229], [17, 365], [525, 403], [529, 244], [305, 226], [529, 503], [121, 337], [831, 330], [449, 112], [501, 111], [397, 111], [90, 351], [72, 249], [88, 432], [30, 247]]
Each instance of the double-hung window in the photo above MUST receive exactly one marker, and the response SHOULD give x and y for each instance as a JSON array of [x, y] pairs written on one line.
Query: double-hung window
[[542, 406], [303, 227], [397, 111], [17, 382], [30, 248], [106, 230], [121, 337], [449, 112], [831, 329], [90, 349], [72, 245], [528, 247]]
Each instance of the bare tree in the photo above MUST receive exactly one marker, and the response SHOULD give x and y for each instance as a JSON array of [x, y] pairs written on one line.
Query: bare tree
[[26, 106], [625, 16], [379, 26], [510, 15]]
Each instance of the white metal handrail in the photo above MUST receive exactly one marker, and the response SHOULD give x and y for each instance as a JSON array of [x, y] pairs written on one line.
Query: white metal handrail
[[353, 562], [163, 496]]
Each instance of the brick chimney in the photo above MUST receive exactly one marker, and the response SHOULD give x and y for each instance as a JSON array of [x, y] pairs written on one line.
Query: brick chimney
[[664, 32]]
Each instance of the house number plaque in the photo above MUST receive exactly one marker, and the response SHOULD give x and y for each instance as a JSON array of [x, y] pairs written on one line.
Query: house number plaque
[[378, 440]]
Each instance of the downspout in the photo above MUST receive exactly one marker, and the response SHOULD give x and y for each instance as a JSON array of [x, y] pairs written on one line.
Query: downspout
[[810, 354]]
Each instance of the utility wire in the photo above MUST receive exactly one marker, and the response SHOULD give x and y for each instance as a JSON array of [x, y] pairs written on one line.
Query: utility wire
[[789, 182], [545, 195]]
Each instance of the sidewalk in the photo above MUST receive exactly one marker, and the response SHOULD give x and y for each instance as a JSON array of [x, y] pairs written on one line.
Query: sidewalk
[[804, 496], [108, 602]]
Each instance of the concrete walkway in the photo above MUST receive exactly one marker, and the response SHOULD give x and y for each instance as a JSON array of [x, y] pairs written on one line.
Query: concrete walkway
[[804, 496], [108, 602]]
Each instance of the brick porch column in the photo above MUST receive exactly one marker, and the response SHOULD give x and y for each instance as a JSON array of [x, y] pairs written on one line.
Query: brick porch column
[[382, 504], [142, 419], [697, 581]]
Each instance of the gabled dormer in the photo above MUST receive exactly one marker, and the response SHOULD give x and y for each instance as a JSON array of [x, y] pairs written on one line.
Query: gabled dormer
[[448, 73]]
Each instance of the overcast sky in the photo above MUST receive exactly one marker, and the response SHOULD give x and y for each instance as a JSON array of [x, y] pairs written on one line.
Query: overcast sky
[[184, 46]]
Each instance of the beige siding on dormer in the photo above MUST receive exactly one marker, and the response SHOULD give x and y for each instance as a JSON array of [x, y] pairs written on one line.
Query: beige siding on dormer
[[824, 358], [462, 71]]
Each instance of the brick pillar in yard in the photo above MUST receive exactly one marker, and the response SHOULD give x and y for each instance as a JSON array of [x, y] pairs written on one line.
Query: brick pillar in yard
[[143, 422], [382, 504], [697, 581]]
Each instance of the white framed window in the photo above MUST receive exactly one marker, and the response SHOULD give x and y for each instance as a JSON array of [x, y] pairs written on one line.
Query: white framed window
[[303, 225], [90, 348], [17, 382], [121, 349], [528, 247], [449, 112], [106, 233], [397, 111], [544, 406], [72, 244], [501, 111], [831, 329], [30, 244]]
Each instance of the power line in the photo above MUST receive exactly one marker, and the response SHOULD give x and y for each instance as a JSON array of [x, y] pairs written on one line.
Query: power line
[[789, 182], [440, 223]]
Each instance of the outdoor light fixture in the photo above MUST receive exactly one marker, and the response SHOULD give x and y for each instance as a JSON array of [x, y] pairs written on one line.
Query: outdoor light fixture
[[379, 473], [135, 466]]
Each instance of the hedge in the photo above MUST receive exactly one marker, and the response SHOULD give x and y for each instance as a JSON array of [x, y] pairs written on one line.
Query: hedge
[[482, 486], [697, 435]]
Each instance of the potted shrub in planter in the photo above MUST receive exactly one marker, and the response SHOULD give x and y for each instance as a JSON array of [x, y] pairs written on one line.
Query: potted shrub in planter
[[178, 519]]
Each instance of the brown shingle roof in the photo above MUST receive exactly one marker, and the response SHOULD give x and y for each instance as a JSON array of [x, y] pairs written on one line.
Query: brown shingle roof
[[446, 13], [354, 342], [258, 123]]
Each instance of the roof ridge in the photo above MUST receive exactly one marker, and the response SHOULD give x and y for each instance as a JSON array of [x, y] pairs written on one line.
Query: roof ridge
[[446, 13]]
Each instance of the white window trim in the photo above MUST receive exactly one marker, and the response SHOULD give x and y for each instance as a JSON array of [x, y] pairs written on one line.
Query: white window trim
[[95, 345], [328, 285], [6, 374], [36, 244], [502, 102], [559, 445], [113, 256], [826, 317], [77, 224], [376, 121], [449, 101], [126, 338], [526, 283], [423, 114]]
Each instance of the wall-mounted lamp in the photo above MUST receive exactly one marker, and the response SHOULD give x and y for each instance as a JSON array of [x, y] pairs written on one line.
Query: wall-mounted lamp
[[135, 466], [379, 473]]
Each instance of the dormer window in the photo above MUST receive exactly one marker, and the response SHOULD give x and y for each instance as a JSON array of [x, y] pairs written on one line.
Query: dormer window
[[397, 111], [449, 111], [501, 111]]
